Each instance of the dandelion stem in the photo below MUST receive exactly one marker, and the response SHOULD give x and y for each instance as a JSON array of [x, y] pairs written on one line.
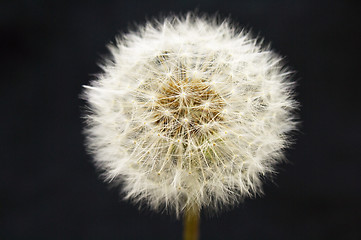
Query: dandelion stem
[[191, 224]]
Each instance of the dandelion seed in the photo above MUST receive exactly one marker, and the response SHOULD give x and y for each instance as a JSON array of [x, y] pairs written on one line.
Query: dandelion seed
[[185, 98]]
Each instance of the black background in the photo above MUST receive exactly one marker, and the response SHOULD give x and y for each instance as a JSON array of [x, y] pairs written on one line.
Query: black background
[[49, 186]]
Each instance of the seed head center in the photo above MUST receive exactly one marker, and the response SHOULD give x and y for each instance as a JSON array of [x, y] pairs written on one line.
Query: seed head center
[[185, 105]]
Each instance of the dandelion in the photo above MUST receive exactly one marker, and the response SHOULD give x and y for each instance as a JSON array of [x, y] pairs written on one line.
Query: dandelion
[[190, 113]]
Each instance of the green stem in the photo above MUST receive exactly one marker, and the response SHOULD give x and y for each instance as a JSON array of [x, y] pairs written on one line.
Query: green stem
[[191, 224]]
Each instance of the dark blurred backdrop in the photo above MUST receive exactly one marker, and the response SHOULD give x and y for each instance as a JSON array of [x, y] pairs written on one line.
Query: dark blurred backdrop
[[49, 188]]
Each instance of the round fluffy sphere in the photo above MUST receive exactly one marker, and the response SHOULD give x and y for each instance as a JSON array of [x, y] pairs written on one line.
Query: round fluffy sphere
[[189, 112]]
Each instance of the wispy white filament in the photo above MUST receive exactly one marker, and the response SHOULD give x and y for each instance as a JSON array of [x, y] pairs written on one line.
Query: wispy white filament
[[189, 112]]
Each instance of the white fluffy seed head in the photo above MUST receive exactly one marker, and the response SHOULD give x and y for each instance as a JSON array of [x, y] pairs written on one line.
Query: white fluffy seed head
[[189, 112]]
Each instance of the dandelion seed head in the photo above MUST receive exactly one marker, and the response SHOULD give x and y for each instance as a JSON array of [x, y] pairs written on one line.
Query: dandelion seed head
[[189, 112]]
